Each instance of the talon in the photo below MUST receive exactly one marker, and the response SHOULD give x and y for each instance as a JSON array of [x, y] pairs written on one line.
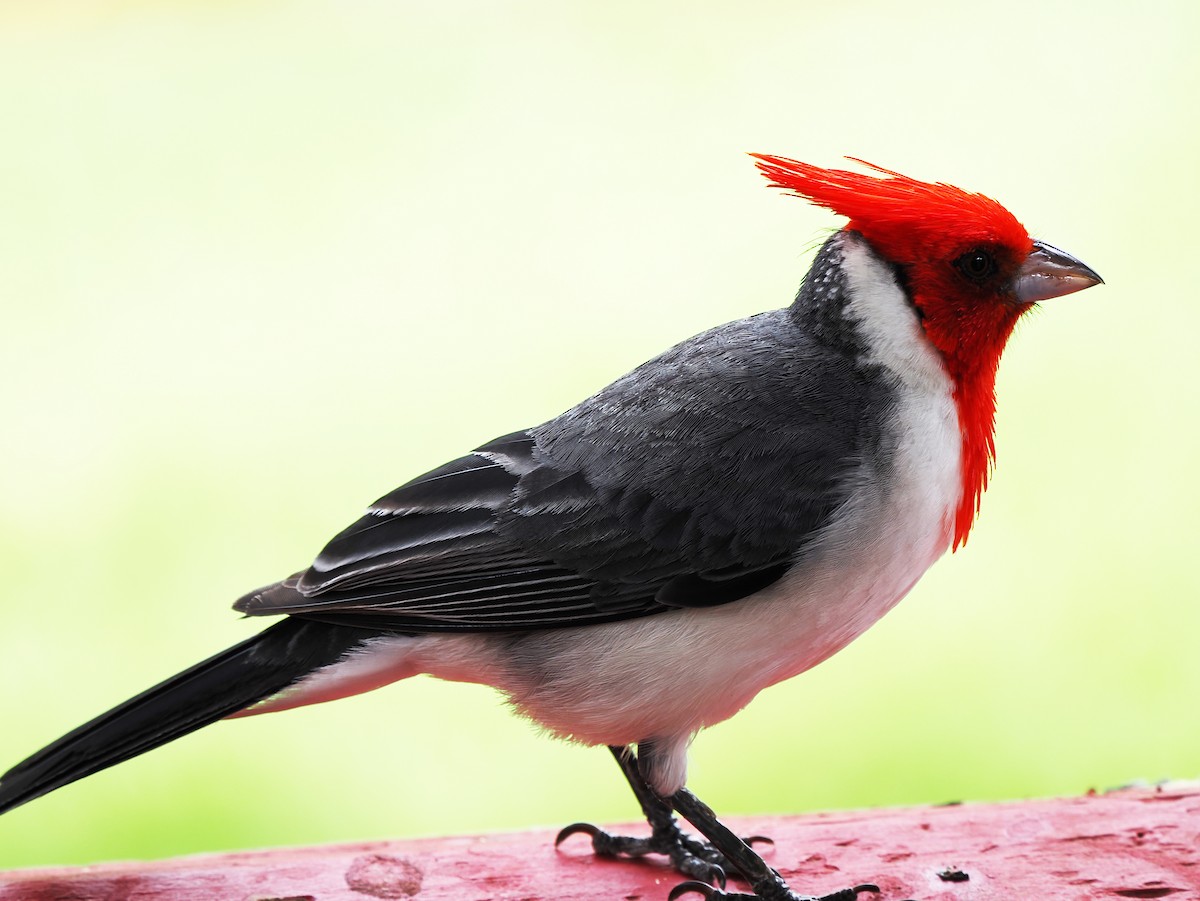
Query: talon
[[753, 840], [718, 875], [851, 894], [684, 888], [575, 829]]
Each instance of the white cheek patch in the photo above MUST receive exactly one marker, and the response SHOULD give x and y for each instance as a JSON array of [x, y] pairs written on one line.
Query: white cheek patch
[[886, 320]]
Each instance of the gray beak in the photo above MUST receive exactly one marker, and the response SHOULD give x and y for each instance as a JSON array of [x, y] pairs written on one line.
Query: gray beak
[[1049, 272]]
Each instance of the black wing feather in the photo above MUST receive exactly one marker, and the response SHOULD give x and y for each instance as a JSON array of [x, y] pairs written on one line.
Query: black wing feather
[[695, 480]]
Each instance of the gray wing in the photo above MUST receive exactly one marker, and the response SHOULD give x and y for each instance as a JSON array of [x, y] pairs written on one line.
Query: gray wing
[[697, 479]]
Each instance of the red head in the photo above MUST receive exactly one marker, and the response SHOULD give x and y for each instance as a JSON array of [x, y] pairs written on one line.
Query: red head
[[970, 268]]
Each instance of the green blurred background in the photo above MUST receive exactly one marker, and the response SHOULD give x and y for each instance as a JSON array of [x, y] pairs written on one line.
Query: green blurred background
[[262, 261]]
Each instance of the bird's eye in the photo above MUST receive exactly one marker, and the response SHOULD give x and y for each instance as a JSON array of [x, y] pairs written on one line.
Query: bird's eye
[[978, 265]]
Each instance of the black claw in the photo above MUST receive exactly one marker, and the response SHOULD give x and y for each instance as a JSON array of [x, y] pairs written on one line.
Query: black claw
[[850, 894], [717, 874], [715, 894], [575, 829], [700, 888], [693, 859], [753, 840]]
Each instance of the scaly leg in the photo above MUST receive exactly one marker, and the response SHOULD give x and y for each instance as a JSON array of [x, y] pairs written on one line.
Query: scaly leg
[[767, 884], [690, 857], [705, 862]]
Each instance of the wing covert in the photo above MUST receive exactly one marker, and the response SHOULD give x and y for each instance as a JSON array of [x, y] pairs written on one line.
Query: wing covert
[[697, 479]]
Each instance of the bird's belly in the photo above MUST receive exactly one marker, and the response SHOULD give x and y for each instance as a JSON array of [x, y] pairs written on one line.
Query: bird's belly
[[675, 673]]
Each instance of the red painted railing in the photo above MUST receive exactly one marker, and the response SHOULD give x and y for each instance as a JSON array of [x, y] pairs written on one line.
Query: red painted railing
[[1131, 843]]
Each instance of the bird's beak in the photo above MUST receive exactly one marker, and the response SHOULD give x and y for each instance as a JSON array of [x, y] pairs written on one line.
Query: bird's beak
[[1049, 272]]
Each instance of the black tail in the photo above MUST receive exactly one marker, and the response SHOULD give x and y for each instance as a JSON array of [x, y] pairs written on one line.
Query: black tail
[[231, 681]]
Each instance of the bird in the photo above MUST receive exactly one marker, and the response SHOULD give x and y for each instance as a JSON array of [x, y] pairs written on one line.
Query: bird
[[723, 517]]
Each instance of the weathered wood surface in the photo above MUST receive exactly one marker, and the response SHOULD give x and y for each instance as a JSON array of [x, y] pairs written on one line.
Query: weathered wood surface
[[1132, 843]]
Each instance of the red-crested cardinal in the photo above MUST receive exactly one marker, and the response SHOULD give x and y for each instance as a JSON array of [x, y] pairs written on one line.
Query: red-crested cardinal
[[723, 517]]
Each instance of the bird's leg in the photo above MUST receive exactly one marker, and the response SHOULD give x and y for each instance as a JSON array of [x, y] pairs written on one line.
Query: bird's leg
[[691, 857], [766, 883]]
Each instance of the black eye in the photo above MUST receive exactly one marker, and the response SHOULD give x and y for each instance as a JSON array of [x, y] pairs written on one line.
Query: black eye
[[978, 265]]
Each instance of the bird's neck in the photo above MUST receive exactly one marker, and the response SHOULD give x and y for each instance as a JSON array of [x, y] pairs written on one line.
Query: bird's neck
[[971, 353]]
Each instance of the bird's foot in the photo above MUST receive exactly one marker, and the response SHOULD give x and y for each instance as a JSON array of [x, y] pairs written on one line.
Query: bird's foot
[[689, 856], [777, 892]]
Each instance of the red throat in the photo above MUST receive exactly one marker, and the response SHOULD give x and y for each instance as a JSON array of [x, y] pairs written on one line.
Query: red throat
[[972, 364], [922, 227]]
